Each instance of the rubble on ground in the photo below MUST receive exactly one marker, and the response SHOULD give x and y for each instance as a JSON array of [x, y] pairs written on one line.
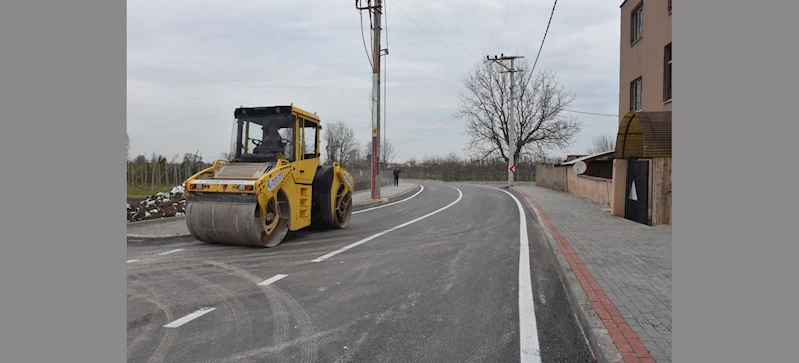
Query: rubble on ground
[[160, 205]]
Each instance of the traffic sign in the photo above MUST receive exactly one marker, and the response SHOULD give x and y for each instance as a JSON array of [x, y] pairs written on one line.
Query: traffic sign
[[512, 168]]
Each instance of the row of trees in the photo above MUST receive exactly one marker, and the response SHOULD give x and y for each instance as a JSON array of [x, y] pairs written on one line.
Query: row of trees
[[542, 123]]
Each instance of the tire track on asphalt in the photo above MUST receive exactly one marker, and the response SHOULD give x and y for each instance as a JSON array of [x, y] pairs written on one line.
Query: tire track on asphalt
[[237, 308], [169, 334], [308, 346], [151, 325]]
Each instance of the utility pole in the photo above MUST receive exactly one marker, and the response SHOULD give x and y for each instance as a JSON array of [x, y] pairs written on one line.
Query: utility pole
[[511, 121], [375, 8]]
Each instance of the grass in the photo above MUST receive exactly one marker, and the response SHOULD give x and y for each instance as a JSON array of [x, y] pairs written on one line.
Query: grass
[[143, 192]]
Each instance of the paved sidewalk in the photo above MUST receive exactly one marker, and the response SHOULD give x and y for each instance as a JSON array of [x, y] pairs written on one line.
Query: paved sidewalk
[[365, 196], [630, 263]]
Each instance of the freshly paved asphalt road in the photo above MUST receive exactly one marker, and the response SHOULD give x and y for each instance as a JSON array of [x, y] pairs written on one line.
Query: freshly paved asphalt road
[[444, 287]]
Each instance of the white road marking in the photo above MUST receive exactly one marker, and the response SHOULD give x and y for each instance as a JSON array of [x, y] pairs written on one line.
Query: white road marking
[[386, 205], [367, 239], [271, 279], [189, 317], [168, 252], [528, 332], [129, 261]]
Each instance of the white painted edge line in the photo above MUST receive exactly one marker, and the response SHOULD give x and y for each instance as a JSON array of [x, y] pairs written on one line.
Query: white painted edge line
[[528, 331], [168, 252], [367, 239], [271, 279], [129, 261], [189, 317], [389, 204]]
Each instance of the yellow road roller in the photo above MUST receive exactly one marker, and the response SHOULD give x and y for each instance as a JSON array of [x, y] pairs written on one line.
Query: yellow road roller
[[272, 184]]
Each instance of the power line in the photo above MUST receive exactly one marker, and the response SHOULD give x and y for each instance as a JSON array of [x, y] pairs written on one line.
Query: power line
[[532, 71], [491, 34], [453, 23], [592, 113], [364, 42], [428, 34], [436, 24], [518, 17], [504, 23]]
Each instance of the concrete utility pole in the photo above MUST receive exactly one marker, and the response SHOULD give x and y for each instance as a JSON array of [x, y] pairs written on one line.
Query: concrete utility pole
[[511, 121], [376, 9]]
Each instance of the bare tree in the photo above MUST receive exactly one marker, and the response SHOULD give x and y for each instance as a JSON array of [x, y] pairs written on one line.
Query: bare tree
[[341, 145], [541, 124], [602, 143], [387, 152]]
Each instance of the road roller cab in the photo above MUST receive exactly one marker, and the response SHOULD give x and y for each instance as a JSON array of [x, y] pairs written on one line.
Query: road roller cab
[[273, 184]]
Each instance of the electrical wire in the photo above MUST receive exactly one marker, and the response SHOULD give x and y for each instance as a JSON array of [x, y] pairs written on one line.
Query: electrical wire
[[542, 44], [439, 28], [453, 23], [592, 113], [504, 22], [518, 18], [369, 57], [428, 34]]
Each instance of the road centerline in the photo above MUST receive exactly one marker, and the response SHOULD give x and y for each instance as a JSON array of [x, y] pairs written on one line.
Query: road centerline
[[188, 318], [367, 239], [528, 331]]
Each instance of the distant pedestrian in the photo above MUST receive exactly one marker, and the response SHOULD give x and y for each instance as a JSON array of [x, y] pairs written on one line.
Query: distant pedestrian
[[396, 177]]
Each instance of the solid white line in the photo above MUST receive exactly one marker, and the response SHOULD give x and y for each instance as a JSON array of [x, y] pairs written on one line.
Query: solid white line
[[129, 261], [386, 205], [271, 279], [168, 252], [367, 239], [528, 332], [189, 318]]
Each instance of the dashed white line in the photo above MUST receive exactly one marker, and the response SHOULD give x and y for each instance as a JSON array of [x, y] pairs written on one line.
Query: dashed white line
[[271, 279], [130, 261], [189, 317], [168, 252], [386, 205], [528, 332], [367, 239]]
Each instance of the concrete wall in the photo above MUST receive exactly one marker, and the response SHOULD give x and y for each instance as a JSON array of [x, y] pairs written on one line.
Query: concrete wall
[[595, 189], [661, 191], [553, 177]]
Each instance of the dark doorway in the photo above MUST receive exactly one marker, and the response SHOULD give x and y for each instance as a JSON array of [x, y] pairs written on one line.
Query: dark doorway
[[636, 207]]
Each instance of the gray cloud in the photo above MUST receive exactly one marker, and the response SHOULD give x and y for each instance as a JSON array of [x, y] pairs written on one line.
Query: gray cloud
[[191, 63]]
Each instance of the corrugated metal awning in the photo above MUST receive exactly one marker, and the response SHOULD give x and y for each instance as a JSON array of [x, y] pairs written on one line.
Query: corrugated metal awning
[[644, 135]]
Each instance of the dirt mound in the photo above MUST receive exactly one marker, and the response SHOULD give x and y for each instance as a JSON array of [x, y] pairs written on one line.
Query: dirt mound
[[167, 204]]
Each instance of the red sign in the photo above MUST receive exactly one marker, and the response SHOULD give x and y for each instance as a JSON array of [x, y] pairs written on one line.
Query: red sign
[[512, 168]]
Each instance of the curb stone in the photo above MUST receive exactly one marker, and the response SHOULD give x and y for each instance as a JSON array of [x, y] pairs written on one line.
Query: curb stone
[[385, 200], [599, 338]]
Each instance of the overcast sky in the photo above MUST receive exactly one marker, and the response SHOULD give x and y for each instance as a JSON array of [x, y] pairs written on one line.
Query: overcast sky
[[192, 62]]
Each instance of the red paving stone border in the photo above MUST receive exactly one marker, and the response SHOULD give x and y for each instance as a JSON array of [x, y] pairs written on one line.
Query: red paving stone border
[[627, 342]]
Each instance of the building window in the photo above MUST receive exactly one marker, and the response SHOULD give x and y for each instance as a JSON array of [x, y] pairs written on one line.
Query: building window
[[636, 88], [667, 73], [637, 23]]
